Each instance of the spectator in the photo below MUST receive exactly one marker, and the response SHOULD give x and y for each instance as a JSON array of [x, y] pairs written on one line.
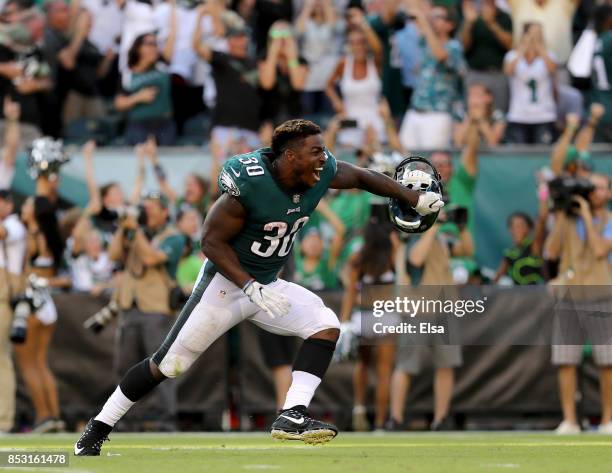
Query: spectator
[[146, 98], [24, 74], [189, 223], [358, 75], [186, 87], [92, 270], [266, 13], [74, 62], [523, 261], [490, 122], [236, 114], [575, 159], [429, 264], [407, 40], [486, 35], [315, 264], [315, 28], [386, 23], [282, 75], [12, 139], [12, 258], [428, 122], [150, 254], [531, 69], [583, 244], [373, 265], [602, 68], [45, 254], [555, 16]]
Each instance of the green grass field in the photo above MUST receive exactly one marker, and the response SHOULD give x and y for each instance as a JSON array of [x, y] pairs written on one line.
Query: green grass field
[[349, 453]]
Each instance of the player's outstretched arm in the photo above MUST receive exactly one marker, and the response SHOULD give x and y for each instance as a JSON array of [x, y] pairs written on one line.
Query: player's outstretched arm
[[224, 221], [350, 176]]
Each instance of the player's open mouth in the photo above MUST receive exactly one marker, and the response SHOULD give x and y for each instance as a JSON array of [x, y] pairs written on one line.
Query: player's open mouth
[[317, 173]]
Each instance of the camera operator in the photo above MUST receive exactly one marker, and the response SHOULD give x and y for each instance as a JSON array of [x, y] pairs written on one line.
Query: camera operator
[[429, 260], [582, 240], [150, 252], [12, 255]]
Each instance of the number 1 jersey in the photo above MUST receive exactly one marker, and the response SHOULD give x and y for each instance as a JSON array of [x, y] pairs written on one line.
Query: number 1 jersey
[[274, 216]]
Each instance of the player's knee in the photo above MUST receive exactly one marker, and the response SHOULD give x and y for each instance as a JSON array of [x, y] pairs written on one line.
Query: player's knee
[[175, 363], [155, 371]]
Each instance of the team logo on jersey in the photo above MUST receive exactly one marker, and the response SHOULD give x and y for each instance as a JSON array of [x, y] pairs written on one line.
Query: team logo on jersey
[[228, 184], [296, 198]]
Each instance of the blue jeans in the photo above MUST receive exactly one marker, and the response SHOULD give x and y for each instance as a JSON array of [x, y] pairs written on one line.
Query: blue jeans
[[163, 129]]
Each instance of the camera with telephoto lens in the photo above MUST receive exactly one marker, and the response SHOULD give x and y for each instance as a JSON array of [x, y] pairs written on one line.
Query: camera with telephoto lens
[[26, 303], [45, 157], [98, 322], [562, 191], [453, 213], [128, 211]]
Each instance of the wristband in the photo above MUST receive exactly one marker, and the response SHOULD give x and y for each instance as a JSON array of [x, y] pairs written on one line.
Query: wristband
[[293, 63], [249, 282]]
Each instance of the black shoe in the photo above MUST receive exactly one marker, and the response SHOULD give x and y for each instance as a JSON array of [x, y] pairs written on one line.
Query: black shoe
[[445, 425], [393, 425], [92, 438], [294, 424]]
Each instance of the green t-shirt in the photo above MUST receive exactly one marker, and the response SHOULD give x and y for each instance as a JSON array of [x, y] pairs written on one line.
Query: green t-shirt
[[460, 191], [173, 247], [523, 267], [602, 75], [188, 269], [487, 53], [353, 208], [274, 216], [322, 277], [161, 106]]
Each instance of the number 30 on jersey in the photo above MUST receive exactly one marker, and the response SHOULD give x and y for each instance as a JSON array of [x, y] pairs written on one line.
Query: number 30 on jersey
[[279, 229]]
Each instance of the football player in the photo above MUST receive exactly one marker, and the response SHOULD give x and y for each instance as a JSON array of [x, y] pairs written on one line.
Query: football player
[[268, 196]]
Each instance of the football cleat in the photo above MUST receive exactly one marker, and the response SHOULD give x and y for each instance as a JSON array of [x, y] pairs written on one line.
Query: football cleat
[[90, 443], [295, 424]]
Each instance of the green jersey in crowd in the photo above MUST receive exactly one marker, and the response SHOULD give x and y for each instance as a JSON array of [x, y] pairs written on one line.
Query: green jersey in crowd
[[602, 75], [274, 216]]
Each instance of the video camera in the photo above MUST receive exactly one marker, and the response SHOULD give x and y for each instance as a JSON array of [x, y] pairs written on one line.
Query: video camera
[[562, 191]]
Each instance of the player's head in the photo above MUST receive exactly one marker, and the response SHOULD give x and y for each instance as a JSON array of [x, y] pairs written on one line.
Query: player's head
[[6, 204], [519, 225], [299, 143]]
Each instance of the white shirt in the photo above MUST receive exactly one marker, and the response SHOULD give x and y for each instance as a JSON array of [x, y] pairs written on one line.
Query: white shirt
[[15, 244], [531, 92], [86, 272], [107, 24], [6, 176]]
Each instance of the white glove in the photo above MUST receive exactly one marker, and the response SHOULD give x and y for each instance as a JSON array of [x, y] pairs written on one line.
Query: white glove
[[347, 343], [267, 299], [429, 202]]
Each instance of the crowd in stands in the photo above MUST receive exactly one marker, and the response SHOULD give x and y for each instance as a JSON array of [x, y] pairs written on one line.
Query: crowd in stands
[[224, 71]]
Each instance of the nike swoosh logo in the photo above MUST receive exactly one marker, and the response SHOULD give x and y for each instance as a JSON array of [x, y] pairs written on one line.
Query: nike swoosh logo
[[237, 174], [78, 450], [295, 421]]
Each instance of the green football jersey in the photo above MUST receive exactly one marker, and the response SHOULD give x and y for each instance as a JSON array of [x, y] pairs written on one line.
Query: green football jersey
[[274, 216], [602, 74]]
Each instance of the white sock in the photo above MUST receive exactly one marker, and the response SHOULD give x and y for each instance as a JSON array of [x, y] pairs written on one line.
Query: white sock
[[302, 389], [115, 408]]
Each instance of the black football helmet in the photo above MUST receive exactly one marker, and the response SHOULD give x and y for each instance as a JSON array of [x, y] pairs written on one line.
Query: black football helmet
[[418, 174]]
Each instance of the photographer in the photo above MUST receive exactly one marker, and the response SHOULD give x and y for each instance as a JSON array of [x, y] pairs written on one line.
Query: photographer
[[12, 255], [150, 252], [582, 240], [429, 264]]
